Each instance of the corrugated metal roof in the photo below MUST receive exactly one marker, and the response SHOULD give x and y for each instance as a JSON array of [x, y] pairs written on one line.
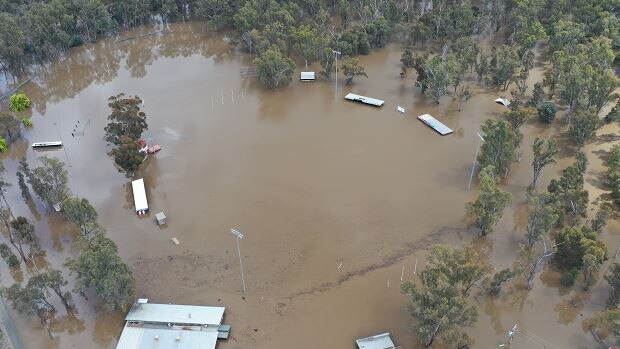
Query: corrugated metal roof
[[135, 337], [364, 99], [176, 314], [139, 195], [435, 124], [380, 341]]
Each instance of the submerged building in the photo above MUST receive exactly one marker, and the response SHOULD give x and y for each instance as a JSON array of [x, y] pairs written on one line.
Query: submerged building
[[168, 326]]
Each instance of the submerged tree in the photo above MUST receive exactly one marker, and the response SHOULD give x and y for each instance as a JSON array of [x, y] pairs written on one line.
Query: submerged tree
[[52, 279], [544, 154], [99, 267], [440, 306], [31, 300], [542, 215], [24, 235], [351, 68], [583, 127], [489, 206], [126, 119], [128, 156], [569, 192], [499, 278], [49, 181], [499, 147], [579, 249], [81, 213], [274, 68]]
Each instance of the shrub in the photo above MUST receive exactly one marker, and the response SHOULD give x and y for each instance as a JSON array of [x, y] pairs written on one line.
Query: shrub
[[3, 145], [9, 257], [568, 278], [27, 122], [546, 111], [19, 102]]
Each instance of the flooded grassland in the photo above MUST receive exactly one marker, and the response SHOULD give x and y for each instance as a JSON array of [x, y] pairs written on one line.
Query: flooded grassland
[[336, 200]]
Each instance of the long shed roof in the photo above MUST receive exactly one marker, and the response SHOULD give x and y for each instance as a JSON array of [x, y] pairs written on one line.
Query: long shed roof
[[176, 314], [138, 337], [363, 99]]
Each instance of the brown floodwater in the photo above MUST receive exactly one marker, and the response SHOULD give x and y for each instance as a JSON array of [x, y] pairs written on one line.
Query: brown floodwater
[[338, 202]]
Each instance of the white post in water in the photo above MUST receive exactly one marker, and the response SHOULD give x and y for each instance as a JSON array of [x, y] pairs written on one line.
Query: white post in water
[[336, 53], [473, 166], [239, 236]]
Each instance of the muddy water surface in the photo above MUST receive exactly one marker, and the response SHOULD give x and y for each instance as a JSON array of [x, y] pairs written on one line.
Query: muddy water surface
[[338, 201]]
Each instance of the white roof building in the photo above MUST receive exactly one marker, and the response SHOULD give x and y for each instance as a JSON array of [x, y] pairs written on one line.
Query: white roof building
[[170, 326]]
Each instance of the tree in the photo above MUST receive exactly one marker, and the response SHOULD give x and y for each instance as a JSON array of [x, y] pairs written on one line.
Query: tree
[[274, 69], [25, 191], [10, 127], [8, 256], [19, 102], [600, 218], [327, 62], [466, 267], [543, 155], [566, 36], [215, 11], [538, 95], [518, 117], [439, 307], [499, 147], [603, 325], [583, 127], [499, 278], [12, 43], [81, 213], [99, 267], [31, 300], [126, 119], [601, 85], [489, 206], [542, 215], [351, 68], [462, 96], [438, 74], [128, 156], [24, 234], [53, 279], [613, 172], [568, 189], [307, 42], [613, 279], [578, 248], [407, 58], [506, 64], [546, 111], [49, 181]]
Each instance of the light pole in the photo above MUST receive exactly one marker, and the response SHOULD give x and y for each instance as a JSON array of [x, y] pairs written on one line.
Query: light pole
[[336, 53], [473, 166], [239, 236]]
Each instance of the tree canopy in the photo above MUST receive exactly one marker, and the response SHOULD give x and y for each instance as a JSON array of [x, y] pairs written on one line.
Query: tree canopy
[[99, 267]]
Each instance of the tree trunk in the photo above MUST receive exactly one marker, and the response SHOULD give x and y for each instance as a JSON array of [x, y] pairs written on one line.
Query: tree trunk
[[530, 279]]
